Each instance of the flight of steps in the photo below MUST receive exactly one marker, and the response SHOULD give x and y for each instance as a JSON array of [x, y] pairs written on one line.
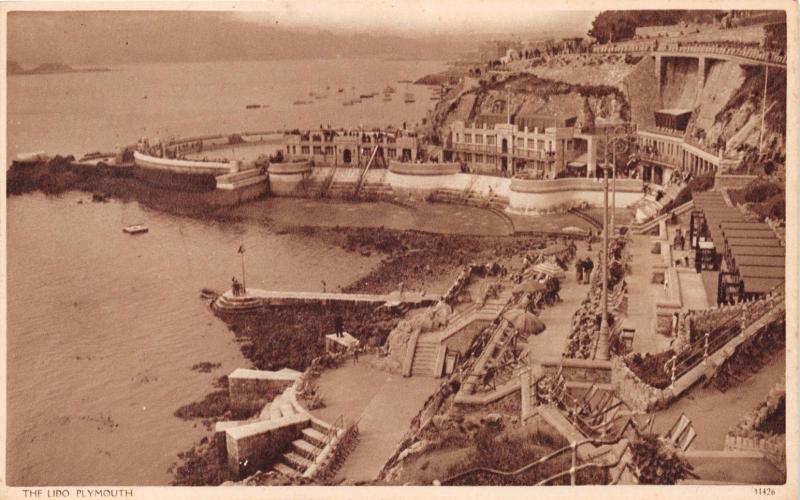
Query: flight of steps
[[425, 359], [225, 303], [430, 351], [296, 461], [374, 186]]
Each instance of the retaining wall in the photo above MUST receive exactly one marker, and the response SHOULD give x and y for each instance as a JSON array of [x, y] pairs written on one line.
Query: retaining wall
[[258, 445]]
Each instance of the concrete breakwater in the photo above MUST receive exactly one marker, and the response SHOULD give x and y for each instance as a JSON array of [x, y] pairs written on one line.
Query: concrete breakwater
[[256, 298]]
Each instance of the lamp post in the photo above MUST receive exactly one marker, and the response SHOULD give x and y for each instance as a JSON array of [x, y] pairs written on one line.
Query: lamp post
[[602, 341]]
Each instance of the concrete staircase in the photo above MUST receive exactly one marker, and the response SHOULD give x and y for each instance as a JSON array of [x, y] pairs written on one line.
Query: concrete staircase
[[428, 359], [304, 451], [427, 352]]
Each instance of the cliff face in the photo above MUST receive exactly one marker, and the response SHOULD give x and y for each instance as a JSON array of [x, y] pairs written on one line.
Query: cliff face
[[727, 106]]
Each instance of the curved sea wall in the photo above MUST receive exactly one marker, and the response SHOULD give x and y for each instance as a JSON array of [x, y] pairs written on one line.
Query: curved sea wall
[[289, 178], [528, 195], [182, 175]]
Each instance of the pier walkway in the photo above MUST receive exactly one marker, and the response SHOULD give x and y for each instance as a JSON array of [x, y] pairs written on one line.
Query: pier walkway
[[255, 298]]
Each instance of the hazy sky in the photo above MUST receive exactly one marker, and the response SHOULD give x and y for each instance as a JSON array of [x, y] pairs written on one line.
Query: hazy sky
[[421, 16]]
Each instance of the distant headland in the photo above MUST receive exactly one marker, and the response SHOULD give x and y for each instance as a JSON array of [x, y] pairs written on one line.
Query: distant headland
[[14, 68]]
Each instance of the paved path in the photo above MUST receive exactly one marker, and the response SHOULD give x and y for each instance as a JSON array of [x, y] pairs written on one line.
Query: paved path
[[713, 412], [643, 295], [558, 318], [383, 404]]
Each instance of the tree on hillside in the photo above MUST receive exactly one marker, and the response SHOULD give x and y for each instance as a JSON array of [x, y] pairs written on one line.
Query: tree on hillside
[[617, 25]]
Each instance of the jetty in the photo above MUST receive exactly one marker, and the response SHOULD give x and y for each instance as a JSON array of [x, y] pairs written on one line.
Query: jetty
[[255, 298]]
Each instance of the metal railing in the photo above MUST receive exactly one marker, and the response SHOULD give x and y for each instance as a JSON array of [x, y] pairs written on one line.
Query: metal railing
[[715, 339], [572, 471]]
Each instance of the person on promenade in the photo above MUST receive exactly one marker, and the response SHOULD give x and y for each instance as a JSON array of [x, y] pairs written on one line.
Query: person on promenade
[[355, 354], [579, 271], [587, 270], [338, 325]]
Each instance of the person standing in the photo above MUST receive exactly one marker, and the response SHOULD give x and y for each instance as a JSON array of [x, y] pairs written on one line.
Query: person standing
[[338, 325], [579, 270], [587, 271]]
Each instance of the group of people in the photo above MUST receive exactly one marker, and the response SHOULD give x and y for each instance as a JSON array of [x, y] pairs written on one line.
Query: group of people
[[583, 270], [237, 288]]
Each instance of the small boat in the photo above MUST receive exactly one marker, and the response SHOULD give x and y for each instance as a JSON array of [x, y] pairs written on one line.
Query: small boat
[[387, 98], [389, 90], [409, 98], [341, 90], [252, 106], [365, 96], [297, 103], [135, 229]]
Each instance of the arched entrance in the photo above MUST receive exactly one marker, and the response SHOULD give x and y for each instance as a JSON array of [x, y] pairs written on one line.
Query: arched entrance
[[505, 145], [347, 156]]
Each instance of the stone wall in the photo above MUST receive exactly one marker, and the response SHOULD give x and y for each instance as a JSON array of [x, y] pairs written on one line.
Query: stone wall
[[635, 393], [745, 437], [258, 445]]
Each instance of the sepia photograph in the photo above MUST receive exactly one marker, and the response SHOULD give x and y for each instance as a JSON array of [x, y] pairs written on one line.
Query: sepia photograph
[[255, 248]]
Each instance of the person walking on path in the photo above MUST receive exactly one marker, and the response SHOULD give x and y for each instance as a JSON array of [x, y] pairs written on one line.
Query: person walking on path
[[579, 270], [587, 272], [355, 354]]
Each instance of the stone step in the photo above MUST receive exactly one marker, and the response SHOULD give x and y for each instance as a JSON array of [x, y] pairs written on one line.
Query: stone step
[[285, 470], [306, 449], [297, 462], [314, 437]]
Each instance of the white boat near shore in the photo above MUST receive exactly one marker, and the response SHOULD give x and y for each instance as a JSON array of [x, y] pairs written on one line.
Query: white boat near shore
[[136, 229]]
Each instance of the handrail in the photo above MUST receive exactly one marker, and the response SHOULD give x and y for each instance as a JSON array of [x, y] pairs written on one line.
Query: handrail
[[702, 348], [363, 174], [573, 446]]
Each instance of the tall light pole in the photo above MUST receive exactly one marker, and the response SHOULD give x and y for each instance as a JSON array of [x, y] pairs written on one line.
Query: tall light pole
[[602, 341], [613, 185]]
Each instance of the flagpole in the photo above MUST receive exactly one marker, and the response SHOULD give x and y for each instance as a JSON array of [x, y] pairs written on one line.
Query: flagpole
[[244, 282]]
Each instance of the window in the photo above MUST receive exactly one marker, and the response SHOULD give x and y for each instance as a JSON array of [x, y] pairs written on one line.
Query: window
[[458, 137], [491, 159], [540, 145], [520, 142], [478, 139], [317, 150], [391, 152], [328, 150], [468, 157], [478, 158], [468, 138], [491, 140], [305, 150]]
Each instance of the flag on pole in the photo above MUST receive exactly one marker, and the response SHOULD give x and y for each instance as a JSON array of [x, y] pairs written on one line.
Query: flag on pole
[[241, 249]]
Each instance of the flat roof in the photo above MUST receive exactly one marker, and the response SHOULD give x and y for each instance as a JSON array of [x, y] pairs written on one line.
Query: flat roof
[[674, 111], [762, 272], [761, 285], [760, 260], [739, 249], [750, 233], [753, 242], [745, 225]]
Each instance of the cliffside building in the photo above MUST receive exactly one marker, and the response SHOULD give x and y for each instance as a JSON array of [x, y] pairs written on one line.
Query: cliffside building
[[538, 146], [350, 147]]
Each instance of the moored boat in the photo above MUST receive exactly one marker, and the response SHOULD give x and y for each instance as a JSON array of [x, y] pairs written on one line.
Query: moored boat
[[136, 229]]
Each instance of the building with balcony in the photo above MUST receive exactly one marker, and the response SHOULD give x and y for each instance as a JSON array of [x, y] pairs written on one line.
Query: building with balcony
[[350, 147], [528, 144]]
